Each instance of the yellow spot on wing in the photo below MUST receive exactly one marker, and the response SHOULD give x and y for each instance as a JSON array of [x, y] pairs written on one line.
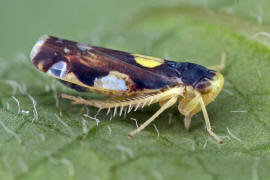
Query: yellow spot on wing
[[148, 61]]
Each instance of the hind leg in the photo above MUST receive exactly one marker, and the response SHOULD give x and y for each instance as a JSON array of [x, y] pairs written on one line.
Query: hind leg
[[165, 106]]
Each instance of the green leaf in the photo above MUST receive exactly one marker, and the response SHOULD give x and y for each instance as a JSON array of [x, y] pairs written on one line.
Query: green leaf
[[53, 140]]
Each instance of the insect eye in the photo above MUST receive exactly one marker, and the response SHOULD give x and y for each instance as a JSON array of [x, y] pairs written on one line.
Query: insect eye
[[58, 69]]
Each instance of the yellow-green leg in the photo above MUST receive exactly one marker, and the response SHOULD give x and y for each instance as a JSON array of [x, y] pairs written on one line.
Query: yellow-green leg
[[221, 66], [165, 106], [198, 100], [207, 122]]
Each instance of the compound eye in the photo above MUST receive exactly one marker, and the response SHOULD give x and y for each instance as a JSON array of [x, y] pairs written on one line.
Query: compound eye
[[203, 85], [58, 69]]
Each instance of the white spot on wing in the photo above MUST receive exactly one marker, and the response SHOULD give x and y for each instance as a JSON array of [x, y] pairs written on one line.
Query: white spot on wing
[[83, 46], [58, 69], [112, 83], [59, 41], [38, 45], [66, 50]]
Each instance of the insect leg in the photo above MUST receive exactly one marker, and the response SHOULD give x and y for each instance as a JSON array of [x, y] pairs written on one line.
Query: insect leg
[[134, 102], [187, 122], [79, 100], [168, 104], [187, 109], [207, 122], [161, 103], [221, 66]]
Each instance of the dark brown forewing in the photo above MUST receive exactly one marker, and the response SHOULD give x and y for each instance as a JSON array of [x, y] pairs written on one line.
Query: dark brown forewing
[[90, 62]]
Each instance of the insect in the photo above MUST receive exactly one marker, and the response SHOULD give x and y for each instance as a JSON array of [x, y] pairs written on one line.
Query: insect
[[134, 81]]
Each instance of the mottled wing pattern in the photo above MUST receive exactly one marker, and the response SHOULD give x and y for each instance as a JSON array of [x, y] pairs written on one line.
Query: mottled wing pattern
[[86, 67]]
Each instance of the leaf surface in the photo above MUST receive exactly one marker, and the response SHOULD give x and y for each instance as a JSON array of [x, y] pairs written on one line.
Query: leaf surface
[[60, 142]]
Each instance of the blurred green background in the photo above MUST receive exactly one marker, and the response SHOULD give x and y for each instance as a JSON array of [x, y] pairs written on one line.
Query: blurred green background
[[58, 141]]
